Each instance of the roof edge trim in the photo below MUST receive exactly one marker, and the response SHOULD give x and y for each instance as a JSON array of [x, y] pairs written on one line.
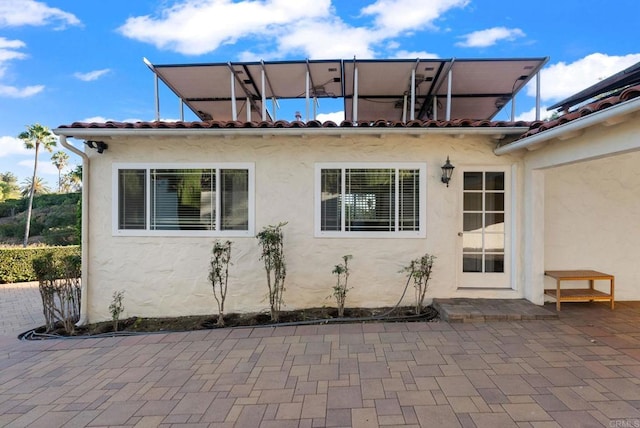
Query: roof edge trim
[[595, 118], [82, 133]]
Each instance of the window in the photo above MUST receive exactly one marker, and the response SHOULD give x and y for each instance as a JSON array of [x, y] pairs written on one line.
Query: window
[[372, 200], [484, 221], [198, 200]]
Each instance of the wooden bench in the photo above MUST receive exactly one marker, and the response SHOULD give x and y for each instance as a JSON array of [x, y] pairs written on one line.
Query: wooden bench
[[580, 294]]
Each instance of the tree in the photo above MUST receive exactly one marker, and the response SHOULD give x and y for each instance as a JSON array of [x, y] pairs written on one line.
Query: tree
[[33, 137], [60, 159], [75, 178], [72, 180], [9, 188], [39, 188]]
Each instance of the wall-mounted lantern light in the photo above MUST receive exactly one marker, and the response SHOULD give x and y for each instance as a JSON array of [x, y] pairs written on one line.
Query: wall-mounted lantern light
[[447, 172]]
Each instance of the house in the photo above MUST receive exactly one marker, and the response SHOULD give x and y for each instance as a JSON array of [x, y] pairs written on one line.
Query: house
[[523, 196]]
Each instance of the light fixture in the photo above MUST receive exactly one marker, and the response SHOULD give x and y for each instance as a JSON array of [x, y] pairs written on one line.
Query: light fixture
[[100, 146], [447, 172]]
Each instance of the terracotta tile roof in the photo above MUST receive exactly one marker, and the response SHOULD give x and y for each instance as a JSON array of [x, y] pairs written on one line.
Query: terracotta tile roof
[[627, 94], [535, 127], [212, 124]]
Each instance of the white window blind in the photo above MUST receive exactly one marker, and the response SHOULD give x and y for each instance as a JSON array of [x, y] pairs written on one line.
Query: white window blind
[[369, 199], [187, 199], [131, 199]]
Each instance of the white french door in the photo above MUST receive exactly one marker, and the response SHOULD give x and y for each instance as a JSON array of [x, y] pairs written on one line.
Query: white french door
[[485, 228]]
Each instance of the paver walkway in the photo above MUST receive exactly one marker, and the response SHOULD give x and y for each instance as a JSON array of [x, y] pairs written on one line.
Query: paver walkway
[[20, 308], [580, 370]]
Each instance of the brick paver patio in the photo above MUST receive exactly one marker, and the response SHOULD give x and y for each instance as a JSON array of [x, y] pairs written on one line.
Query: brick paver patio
[[580, 370]]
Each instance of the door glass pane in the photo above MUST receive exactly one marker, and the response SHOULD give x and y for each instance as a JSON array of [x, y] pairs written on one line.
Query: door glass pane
[[472, 181], [494, 222], [484, 232], [494, 201], [471, 242], [494, 263], [494, 181], [472, 263], [472, 201], [472, 222], [494, 242]]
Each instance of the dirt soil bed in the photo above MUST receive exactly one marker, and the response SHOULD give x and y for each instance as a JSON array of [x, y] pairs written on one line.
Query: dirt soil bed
[[201, 322]]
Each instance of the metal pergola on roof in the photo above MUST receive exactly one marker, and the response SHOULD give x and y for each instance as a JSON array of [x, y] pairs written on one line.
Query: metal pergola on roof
[[399, 89]]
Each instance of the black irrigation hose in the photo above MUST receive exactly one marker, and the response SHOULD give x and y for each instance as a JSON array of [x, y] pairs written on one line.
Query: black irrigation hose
[[428, 316]]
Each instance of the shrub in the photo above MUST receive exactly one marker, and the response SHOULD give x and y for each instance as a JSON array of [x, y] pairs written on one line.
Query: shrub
[[420, 271], [272, 242], [340, 289], [60, 289], [64, 235], [116, 308], [11, 207], [219, 275], [16, 263]]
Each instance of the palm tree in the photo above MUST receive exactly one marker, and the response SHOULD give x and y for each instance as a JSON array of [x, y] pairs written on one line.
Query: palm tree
[[33, 137], [40, 187], [59, 160], [75, 178]]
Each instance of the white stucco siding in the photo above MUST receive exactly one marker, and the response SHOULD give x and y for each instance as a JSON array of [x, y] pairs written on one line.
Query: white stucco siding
[[167, 276], [592, 213], [582, 196]]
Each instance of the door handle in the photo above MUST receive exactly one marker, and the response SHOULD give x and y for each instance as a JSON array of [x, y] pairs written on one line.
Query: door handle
[[460, 234]]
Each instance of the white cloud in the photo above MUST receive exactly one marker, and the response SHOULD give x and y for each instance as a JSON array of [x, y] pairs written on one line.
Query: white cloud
[[531, 114], [489, 37], [278, 28], [561, 80], [302, 37], [12, 44], [415, 54], [10, 146], [187, 27], [91, 75], [16, 13], [15, 92], [336, 117], [392, 17], [96, 119], [102, 119], [44, 168], [8, 53]]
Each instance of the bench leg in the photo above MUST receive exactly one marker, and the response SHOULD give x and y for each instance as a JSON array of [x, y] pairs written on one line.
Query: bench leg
[[612, 293], [558, 295]]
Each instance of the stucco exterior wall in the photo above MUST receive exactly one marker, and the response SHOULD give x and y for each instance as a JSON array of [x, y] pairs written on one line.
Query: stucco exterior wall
[[167, 276], [592, 212], [582, 202]]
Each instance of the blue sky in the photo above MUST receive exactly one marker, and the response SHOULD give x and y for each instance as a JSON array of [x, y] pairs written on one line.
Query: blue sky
[[63, 61]]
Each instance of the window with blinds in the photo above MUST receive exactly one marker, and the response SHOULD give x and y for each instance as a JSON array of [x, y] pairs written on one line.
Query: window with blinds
[[370, 200], [183, 199]]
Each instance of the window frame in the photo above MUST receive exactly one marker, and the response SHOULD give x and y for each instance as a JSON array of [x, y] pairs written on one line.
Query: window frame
[[116, 231], [342, 166]]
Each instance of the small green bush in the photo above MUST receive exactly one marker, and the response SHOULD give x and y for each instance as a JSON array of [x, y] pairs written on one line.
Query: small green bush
[[16, 264], [64, 235], [11, 207], [12, 230]]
